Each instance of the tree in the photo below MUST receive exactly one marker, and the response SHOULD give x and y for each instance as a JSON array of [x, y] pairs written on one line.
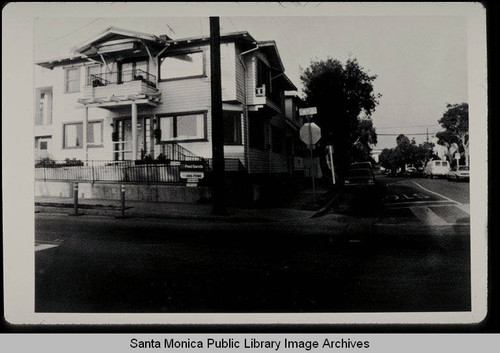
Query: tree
[[455, 121], [406, 152], [390, 158], [345, 101]]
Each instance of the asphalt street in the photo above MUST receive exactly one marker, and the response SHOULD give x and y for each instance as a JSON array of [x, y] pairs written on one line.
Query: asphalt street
[[410, 253]]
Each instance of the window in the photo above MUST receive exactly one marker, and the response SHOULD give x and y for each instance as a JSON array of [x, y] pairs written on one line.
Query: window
[[136, 70], [73, 135], [184, 65], [93, 73], [43, 145], [256, 137], [72, 80], [183, 127], [94, 133], [232, 128], [277, 139], [43, 112]]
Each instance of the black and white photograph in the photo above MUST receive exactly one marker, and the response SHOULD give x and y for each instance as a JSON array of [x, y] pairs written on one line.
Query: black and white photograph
[[266, 166]]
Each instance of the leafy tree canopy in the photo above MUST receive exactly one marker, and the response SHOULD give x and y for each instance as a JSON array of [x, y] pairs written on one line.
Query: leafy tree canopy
[[455, 121], [345, 100]]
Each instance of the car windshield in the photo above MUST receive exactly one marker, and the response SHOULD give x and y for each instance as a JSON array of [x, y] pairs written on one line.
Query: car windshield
[[463, 168], [359, 173]]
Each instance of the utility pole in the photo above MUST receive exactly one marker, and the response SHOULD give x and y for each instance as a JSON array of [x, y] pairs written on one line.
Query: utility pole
[[218, 192], [427, 134]]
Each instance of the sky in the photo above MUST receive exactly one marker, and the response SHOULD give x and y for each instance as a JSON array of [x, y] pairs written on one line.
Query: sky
[[420, 61]]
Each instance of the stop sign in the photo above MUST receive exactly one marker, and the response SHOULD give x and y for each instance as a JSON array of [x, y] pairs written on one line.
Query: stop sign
[[310, 133]]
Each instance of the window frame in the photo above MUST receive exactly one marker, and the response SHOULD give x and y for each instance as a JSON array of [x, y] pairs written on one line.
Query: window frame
[[257, 122], [174, 116], [239, 117], [88, 81], [275, 133], [64, 136], [78, 79], [94, 144], [179, 53]]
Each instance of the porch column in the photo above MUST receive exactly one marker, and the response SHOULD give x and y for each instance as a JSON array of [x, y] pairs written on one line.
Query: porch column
[[84, 137], [134, 131]]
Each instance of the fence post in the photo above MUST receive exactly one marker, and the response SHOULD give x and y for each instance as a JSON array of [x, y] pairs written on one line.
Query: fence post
[[92, 166]]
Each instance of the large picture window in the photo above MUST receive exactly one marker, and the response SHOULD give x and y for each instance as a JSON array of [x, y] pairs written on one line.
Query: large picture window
[[182, 65], [72, 80], [232, 128], [182, 127]]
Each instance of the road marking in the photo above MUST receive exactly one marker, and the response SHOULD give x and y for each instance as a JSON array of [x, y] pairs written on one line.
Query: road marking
[[435, 193], [426, 215], [415, 203], [464, 207], [39, 247]]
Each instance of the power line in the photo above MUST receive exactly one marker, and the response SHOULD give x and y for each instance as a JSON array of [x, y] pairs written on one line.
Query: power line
[[403, 127], [420, 133], [67, 34]]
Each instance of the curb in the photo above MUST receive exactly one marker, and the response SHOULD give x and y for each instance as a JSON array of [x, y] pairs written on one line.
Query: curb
[[327, 207], [131, 214]]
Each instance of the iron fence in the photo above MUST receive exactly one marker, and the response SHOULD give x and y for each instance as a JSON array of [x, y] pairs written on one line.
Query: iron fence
[[112, 171]]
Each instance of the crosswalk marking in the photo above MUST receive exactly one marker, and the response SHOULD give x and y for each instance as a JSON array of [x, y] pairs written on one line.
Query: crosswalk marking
[[39, 247], [428, 217], [465, 207]]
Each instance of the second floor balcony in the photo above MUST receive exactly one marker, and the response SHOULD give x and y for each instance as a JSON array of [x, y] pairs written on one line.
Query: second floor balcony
[[119, 88]]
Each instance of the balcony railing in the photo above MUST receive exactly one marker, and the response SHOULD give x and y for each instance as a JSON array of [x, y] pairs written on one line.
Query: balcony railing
[[118, 77]]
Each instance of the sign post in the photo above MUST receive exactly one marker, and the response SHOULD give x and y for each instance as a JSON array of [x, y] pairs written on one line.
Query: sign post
[[310, 133], [330, 156]]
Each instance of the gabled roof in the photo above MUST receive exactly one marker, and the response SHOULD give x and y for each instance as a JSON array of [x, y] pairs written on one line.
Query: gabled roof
[[269, 47], [243, 35], [113, 33]]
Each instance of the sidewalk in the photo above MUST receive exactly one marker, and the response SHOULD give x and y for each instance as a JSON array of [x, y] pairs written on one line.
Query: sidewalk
[[298, 208]]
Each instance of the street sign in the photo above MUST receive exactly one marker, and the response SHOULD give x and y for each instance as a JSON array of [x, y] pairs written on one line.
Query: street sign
[[457, 155], [308, 111], [193, 171], [192, 175], [310, 133]]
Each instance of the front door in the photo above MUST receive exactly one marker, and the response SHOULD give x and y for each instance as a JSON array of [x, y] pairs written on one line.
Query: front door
[[123, 149]]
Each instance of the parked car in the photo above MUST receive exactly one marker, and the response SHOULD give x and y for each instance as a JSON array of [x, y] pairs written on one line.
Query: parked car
[[413, 172], [459, 173], [436, 169], [359, 178], [361, 165]]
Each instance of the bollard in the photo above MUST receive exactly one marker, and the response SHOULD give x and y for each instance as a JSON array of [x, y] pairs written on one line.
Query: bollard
[[75, 197], [123, 200]]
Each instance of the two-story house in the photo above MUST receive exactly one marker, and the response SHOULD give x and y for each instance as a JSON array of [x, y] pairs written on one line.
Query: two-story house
[[125, 95]]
